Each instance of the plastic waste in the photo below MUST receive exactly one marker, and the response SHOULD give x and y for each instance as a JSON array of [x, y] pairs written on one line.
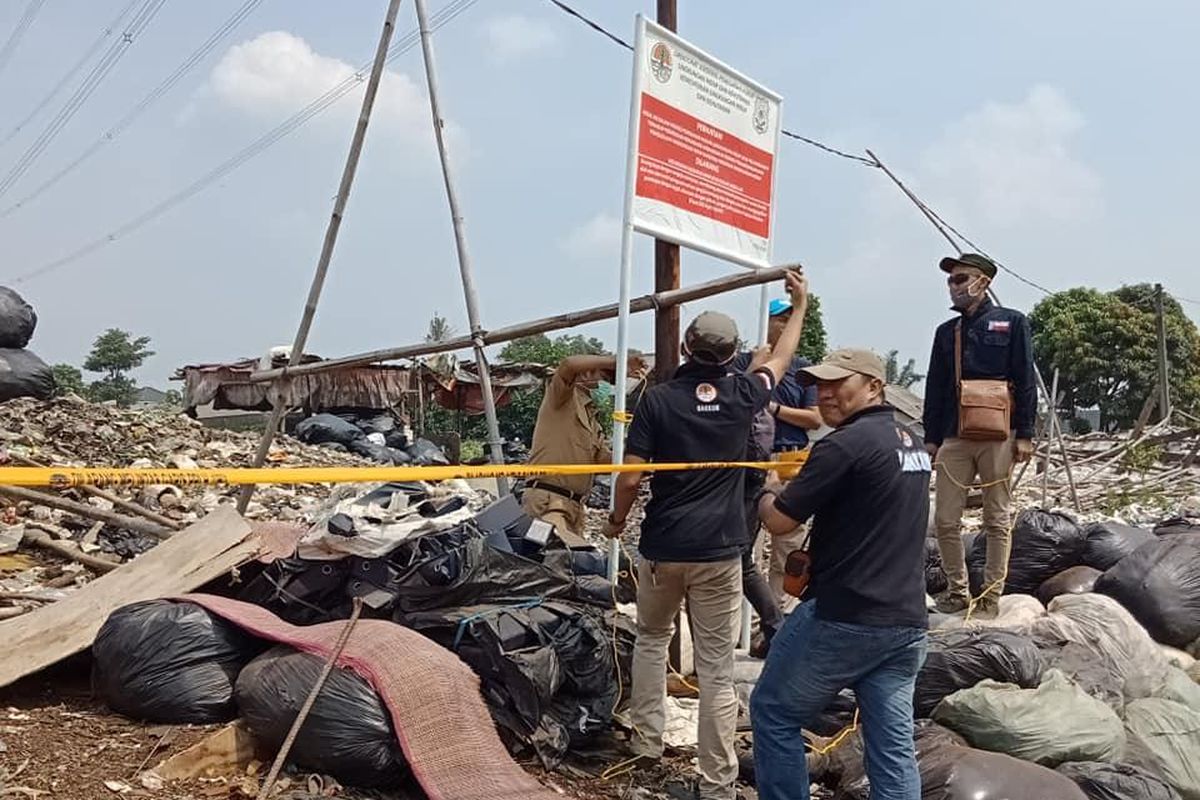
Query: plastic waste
[[960, 659], [17, 319], [1108, 542], [1043, 544], [1160, 585], [22, 374], [1075, 580], [1100, 781]]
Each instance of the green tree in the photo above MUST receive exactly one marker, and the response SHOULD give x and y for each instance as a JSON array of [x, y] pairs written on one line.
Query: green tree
[[173, 398], [905, 376], [115, 353], [813, 342], [67, 380], [518, 418], [1105, 345]]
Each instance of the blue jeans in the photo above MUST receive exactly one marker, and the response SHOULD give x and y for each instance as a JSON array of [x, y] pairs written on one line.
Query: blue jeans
[[811, 660]]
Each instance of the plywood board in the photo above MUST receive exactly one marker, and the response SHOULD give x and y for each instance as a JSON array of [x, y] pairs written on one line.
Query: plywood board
[[185, 562]]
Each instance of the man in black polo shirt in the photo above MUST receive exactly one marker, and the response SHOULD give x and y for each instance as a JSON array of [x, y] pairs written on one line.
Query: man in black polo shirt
[[695, 530], [862, 623]]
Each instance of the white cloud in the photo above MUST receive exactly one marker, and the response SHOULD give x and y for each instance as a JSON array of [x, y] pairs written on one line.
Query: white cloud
[[600, 236], [278, 73], [514, 36], [1012, 163]]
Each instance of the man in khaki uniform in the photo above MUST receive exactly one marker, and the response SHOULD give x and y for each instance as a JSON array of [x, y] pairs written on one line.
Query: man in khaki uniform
[[569, 432]]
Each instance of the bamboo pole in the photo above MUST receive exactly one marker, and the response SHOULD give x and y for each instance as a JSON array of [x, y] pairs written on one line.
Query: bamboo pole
[[570, 319], [84, 510]]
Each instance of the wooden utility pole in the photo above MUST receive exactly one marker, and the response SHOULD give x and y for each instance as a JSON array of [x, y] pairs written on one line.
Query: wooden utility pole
[[331, 233], [666, 264], [1164, 388]]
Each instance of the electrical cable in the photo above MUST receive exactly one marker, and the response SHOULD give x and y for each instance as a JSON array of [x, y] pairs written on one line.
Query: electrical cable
[[10, 44], [410, 40], [142, 18], [209, 44], [108, 31]]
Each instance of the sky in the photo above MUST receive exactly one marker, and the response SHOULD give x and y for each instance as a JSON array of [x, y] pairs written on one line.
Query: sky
[[1056, 135]]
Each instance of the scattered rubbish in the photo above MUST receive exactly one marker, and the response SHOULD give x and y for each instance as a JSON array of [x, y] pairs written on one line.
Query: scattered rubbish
[[169, 662], [1100, 781], [348, 733], [1160, 585], [1053, 723], [228, 751]]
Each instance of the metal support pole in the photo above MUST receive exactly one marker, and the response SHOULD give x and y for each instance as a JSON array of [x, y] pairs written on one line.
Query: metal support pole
[[1164, 386], [495, 443], [331, 233]]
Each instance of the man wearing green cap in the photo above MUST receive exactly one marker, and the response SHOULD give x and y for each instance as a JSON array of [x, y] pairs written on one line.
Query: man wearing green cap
[[982, 361]]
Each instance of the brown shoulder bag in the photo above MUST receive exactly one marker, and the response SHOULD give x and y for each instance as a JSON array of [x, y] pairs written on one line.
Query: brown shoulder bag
[[984, 406]]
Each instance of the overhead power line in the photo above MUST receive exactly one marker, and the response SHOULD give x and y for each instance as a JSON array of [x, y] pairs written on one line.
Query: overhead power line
[[10, 44], [598, 28], [142, 18], [443, 17], [209, 44], [108, 31]]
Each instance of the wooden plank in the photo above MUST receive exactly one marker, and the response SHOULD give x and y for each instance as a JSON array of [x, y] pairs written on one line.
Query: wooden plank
[[185, 562]]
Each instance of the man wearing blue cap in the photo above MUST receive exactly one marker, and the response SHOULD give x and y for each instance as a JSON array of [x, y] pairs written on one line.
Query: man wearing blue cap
[[794, 411]]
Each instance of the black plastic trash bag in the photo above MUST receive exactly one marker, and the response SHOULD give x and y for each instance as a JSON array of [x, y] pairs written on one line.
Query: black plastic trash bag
[[348, 733], [1160, 585], [1043, 545], [935, 575], [1100, 781], [963, 773], [837, 716], [425, 453], [321, 428], [22, 374], [1075, 580], [846, 763], [300, 591], [170, 663], [962, 658], [1176, 525], [1109, 542], [17, 319], [379, 453]]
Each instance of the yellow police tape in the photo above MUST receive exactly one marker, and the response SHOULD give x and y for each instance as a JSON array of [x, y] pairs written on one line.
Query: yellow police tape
[[66, 477]]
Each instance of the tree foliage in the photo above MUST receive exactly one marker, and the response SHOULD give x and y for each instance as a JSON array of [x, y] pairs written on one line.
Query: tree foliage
[[1105, 347], [813, 342], [905, 376], [67, 380], [115, 353]]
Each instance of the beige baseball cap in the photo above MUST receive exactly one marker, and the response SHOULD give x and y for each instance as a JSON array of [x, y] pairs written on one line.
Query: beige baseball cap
[[843, 363]]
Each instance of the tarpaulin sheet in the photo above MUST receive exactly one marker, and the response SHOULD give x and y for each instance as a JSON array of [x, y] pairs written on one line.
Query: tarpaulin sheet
[[441, 721]]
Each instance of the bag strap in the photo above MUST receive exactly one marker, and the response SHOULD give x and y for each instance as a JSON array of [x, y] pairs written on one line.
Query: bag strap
[[958, 357]]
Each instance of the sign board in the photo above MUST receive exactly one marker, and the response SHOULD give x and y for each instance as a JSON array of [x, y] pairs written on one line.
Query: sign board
[[704, 147]]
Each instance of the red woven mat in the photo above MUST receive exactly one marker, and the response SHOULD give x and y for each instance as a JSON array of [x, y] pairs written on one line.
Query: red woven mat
[[440, 718]]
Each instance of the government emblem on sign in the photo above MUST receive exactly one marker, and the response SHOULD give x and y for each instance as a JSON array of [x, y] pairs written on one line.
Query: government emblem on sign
[[706, 393], [662, 62], [762, 115]]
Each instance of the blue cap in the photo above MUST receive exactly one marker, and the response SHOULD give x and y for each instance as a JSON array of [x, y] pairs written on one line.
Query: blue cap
[[780, 306]]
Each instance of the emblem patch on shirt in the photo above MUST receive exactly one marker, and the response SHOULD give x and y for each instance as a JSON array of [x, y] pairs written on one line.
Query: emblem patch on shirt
[[999, 325], [706, 393]]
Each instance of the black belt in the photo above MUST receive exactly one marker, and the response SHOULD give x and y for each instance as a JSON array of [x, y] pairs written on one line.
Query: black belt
[[558, 490]]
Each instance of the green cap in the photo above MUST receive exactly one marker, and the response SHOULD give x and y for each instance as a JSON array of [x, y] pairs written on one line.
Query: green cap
[[981, 263], [712, 338]]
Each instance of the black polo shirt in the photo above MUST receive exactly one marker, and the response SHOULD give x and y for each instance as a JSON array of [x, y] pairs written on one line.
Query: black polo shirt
[[702, 414], [866, 487]]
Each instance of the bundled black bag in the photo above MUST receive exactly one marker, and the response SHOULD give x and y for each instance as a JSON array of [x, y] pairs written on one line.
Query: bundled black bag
[[17, 319], [962, 658], [963, 773], [1108, 542], [348, 733], [1160, 585], [1116, 781], [935, 575], [846, 766], [22, 374], [425, 453], [1076, 580], [1176, 525], [1043, 545], [170, 663], [322, 428]]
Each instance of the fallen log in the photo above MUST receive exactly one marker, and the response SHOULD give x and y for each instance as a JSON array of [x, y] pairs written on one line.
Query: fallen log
[[85, 510]]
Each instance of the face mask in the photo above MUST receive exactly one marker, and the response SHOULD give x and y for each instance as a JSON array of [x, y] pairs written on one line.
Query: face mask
[[964, 295]]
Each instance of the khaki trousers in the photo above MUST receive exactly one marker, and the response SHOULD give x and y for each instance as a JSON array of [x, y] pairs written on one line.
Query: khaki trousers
[[714, 596], [566, 515], [959, 463]]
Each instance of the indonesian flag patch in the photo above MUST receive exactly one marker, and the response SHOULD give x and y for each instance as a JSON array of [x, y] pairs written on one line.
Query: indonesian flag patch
[[999, 325]]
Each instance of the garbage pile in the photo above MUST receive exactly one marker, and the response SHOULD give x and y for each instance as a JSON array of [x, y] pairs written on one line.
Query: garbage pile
[[22, 374], [536, 621], [1093, 694], [371, 435]]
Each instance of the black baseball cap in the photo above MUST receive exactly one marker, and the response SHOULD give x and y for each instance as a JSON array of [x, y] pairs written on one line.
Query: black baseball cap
[[974, 260]]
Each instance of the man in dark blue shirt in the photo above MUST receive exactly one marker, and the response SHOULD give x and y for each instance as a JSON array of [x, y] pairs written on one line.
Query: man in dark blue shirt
[[983, 341]]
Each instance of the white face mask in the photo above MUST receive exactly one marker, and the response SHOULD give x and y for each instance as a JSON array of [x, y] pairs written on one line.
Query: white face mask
[[964, 295]]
